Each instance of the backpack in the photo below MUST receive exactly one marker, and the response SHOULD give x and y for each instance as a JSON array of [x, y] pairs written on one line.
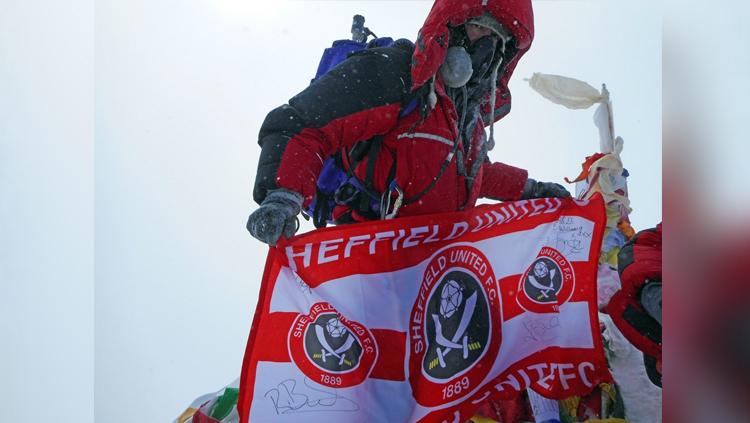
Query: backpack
[[337, 184]]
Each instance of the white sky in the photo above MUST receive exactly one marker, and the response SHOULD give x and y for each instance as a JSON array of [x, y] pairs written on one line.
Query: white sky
[[181, 89]]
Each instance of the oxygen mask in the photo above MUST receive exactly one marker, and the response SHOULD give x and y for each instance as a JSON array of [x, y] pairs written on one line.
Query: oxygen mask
[[467, 61], [482, 53]]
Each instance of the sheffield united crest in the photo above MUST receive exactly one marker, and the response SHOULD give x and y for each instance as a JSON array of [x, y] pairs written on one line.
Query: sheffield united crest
[[451, 344], [457, 325], [547, 283], [331, 350]]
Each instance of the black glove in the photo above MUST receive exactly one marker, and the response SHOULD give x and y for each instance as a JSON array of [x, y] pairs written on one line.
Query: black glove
[[534, 189], [277, 215]]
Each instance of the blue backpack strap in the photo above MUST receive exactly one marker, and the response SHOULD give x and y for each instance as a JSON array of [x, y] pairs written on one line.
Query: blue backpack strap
[[409, 107], [331, 177]]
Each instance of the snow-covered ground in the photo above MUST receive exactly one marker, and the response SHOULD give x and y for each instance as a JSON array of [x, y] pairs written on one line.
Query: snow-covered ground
[[642, 398]]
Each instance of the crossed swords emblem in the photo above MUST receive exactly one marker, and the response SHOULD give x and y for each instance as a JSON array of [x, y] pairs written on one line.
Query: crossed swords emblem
[[449, 345], [327, 350], [544, 289]]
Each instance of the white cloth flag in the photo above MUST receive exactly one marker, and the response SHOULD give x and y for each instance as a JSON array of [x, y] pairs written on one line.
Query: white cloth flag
[[422, 319], [575, 94], [569, 92]]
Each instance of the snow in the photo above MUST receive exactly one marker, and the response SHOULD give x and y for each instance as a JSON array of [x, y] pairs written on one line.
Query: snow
[[642, 398]]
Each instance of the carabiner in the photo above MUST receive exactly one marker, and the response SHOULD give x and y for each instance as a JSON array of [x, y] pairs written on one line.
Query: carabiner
[[384, 214]]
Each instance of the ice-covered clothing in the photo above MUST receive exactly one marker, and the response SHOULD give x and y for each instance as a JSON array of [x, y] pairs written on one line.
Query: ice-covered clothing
[[636, 308], [639, 265], [364, 97], [516, 16]]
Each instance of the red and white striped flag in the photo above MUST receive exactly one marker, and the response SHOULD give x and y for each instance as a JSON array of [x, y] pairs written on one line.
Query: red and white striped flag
[[422, 319]]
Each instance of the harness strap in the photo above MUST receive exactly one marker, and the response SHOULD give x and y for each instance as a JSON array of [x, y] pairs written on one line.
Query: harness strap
[[322, 209], [372, 155]]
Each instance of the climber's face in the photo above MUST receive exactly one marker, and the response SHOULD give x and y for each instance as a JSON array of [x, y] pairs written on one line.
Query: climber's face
[[475, 32], [470, 56]]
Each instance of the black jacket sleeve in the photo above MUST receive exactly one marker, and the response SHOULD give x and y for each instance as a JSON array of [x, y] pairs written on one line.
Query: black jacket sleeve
[[365, 81]]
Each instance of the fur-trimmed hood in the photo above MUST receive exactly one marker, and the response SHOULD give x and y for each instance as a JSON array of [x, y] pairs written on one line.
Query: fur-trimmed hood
[[434, 37]]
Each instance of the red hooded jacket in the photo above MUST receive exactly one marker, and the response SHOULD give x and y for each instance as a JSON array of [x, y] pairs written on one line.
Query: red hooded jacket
[[363, 97]]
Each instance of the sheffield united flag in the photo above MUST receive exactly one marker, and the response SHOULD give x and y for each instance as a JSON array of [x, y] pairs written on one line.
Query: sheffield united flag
[[422, 319]]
